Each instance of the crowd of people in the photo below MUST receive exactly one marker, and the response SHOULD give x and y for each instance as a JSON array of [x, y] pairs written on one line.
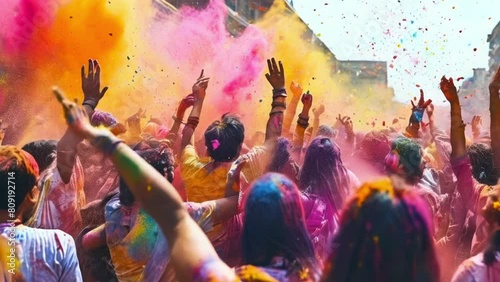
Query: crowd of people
[[125, 201]]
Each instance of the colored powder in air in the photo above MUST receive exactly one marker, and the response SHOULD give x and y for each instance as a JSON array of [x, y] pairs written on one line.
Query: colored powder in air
[[150, 60]]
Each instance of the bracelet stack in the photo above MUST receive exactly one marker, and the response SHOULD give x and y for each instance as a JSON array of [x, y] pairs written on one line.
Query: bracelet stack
[[193, 122], [278, 104], [303, 122], [280, 92]]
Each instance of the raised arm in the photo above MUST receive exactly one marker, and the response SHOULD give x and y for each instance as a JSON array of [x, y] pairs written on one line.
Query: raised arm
[[477, 125], [276, 78], [292, 106], [189, 246], [349, 129], [199, 91], [457, 130], [185, 103], [417, 113], [134, 125], [494, 88], [302, 124], [317, 114], [66, 147]]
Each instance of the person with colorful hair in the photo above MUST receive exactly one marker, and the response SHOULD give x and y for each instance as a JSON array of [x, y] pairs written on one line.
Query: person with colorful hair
[[286, 251], [406, 160], [324, 181], [36, 254], [139, 251], [385, 235], [275, 236]]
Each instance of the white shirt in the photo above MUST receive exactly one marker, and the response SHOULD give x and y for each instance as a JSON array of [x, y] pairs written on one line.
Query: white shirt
[[44, 254], [474, 270]]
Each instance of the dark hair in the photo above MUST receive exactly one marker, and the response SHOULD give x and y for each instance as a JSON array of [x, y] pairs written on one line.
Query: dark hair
[[493, 247], [481, 159], [492, 215], [21, 168], [161, 159], [280, 155], [43, 152], [274, 224], [224, 138], [385, 234], [324, 175]]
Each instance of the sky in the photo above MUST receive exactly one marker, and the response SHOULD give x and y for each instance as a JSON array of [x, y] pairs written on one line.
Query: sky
[[420, 40]]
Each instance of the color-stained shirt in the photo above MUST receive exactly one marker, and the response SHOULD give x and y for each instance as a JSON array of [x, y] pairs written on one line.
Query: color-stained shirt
[[59, 204], [138, 248], [474, 270], [202, 185], [44, 254], [474, 196]]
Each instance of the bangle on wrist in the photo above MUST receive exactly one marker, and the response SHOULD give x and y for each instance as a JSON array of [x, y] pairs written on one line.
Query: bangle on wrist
[[275, 112], [278, 104], [106, 144], [302, 123], [279, 92], [303, 118], [193, 122], [90, 103]]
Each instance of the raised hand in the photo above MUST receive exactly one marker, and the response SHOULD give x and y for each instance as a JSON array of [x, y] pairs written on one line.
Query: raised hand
[[200, 86], [276, 76], [449, 90], [346, 122], [476, 124], [76, 116], [185, 103], [296, 89], [307, 100], [319, 111], [91, 84], [418, 110]]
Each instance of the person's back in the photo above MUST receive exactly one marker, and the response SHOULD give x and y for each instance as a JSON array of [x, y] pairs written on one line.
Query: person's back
[[39, 254], [475, 270], [45, 254], [205, 178], [385, 235]]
